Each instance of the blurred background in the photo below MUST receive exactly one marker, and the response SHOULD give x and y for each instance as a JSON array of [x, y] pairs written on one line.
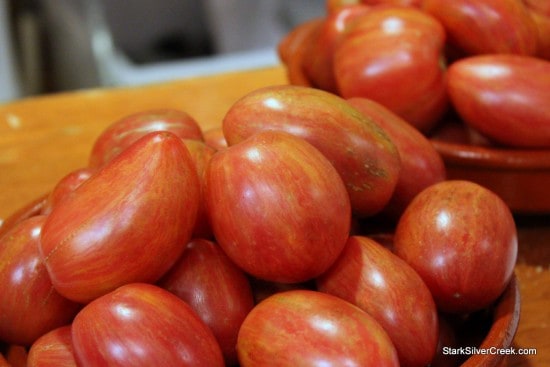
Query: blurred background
[[58, 45]]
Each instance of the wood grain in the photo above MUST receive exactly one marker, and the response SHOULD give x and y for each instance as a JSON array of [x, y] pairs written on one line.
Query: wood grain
[[44, 138]]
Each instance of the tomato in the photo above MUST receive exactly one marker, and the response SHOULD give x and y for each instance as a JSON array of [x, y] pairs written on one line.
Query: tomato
[[461, 238], [200, 154], [65, 186], [123, 132], [504, 97], [53, 349], [308, 328], [318, 66], [29, 306], [540, 6], [394, 55], [30, 209], [486, 26], [16, 356], [421, 164], [141, 324], [292, 50], [362, 153], [214, 138], [267, 200], [217, 290], [542, 23], [371, 277], [129, 222], [335, 5]]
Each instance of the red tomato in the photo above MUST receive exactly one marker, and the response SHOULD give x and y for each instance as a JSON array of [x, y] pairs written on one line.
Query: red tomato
[[30, 209], [540, 6], [542, 23], [215, 288], [421, 164], [335, 5], [388, 289], [461, 238], [318, 64], [394, 55], [142, 325], [267, 199], [29, 306], [200, 154], [122, 133], [364, 156], [308, 328], [505, 97], [66, 186], [486, 26], [53, 349], [129, 222], [214, 138], [292, 50], [17, 356]]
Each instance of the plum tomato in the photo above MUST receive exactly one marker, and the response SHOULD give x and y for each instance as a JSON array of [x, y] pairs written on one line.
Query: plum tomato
[[462, 240]]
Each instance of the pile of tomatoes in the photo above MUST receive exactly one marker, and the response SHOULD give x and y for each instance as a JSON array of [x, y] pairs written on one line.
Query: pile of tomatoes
[[170, 248], [316, 230], [484, 63]]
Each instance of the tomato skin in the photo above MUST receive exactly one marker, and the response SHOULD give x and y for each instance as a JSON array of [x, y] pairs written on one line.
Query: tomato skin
[[309, 328], [540, 6], [66, 186], [200, 154], [401, 68], [504, 97], [333, 6], [421, 164], [217, 290], [542, 23], [53, 349], [373, 278], [267, 197], [318, 66], [141, 324], [486, 26], [143, 202], [29, 306], [362, 153], [30, 209], [466, 257], [125, 131], [214, 138]]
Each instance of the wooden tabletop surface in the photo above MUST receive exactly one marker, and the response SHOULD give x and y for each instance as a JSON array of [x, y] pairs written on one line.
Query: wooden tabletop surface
[[44, 138]]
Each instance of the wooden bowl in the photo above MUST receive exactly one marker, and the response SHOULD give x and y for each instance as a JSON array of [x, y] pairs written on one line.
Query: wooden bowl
[[519, 176], [501, 331]]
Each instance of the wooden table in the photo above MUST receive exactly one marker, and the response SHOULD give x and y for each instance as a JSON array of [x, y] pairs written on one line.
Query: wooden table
[[44, 138]]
